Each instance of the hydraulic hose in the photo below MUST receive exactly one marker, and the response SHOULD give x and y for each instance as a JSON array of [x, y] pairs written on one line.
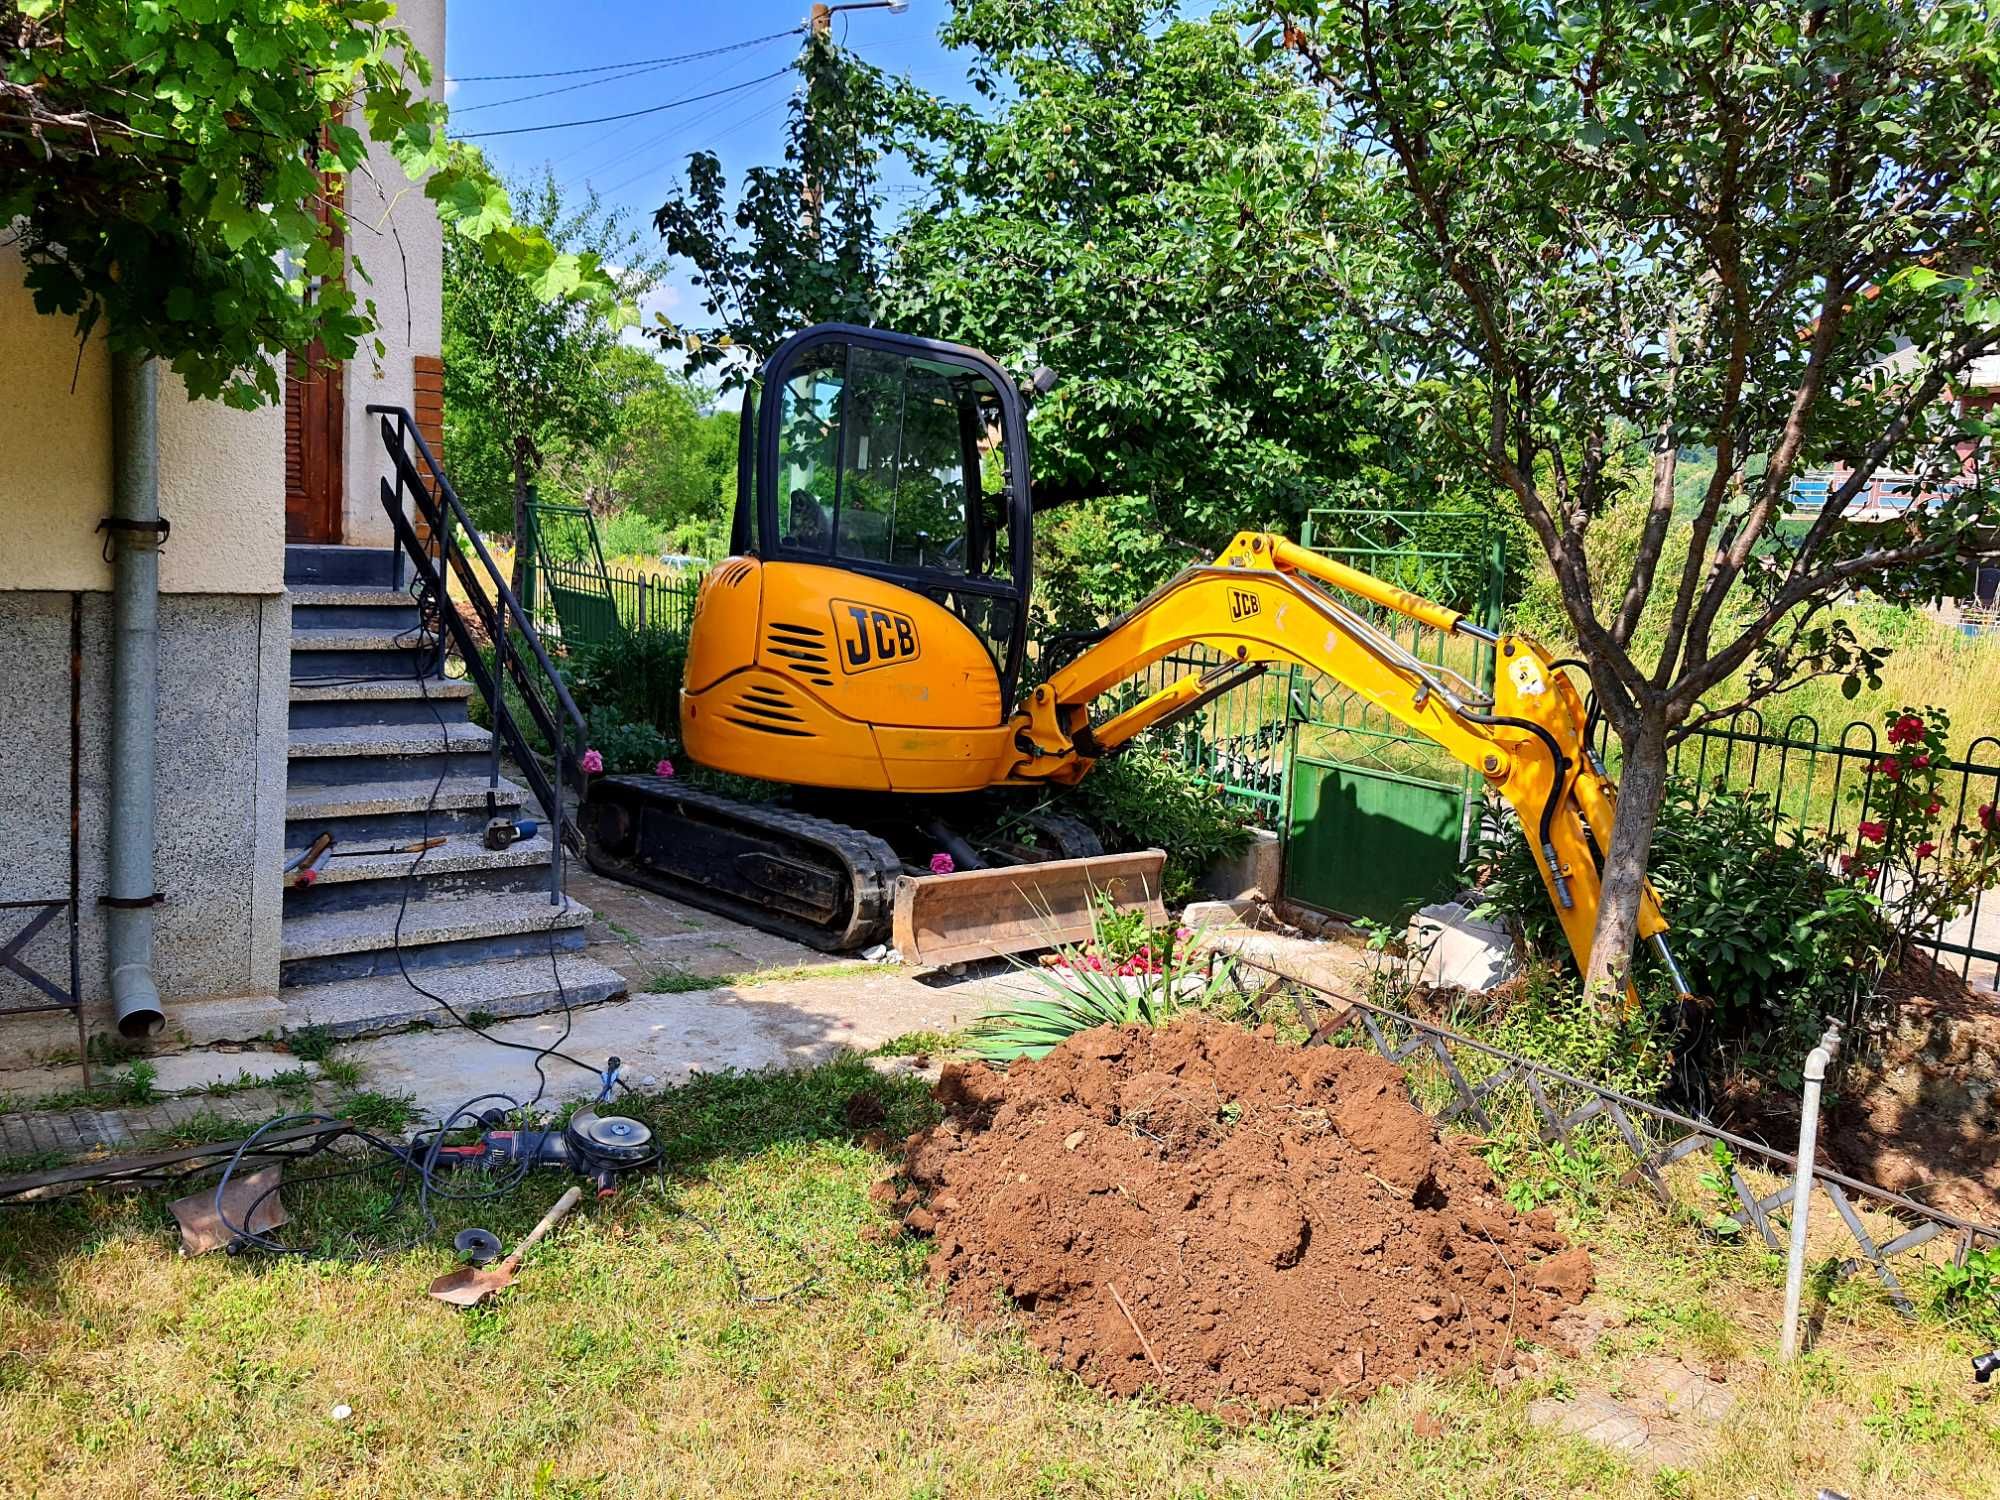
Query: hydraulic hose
[[1562, 765]]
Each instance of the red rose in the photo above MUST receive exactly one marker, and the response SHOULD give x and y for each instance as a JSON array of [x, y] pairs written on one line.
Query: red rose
[[1934, 809], [1907, 730], [1847, 864], [1874, 832], [1891, 768], [1987, 817], [1920, 761]]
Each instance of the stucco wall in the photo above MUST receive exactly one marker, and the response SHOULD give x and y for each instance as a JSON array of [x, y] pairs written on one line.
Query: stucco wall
[[221, 791], [393, 229], [221, 471]]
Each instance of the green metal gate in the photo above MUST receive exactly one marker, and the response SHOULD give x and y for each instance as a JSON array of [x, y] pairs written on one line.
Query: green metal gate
[[1377, 818]]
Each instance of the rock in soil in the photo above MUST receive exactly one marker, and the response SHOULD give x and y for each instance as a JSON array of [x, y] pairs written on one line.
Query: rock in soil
[[1230, 1221]]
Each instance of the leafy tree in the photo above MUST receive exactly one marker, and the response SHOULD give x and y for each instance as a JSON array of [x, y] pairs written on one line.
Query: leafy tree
[[161, 161], [1137, 209], [1139, 214], [665, 456], [801, 246], [1707, 224], [523, 375]]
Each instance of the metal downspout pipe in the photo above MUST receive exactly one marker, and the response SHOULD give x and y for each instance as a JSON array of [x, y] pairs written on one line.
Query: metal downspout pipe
[[134, 539]]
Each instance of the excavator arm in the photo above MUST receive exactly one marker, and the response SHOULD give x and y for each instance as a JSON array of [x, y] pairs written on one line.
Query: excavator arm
[[1268, 601]]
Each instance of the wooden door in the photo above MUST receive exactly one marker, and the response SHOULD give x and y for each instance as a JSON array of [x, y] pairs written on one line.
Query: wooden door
[[315, 425], [316, 422]]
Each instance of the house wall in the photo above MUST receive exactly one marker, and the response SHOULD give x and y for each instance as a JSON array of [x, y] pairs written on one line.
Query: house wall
[[393, 230], [224, 628], [219, 468]]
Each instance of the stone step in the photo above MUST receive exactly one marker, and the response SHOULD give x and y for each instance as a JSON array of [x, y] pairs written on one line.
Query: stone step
[[361, 652], [377, 812], [325, 563], [385, 700], [359, 754], [355, 944], [503, 989], [330, 606], [356, 875]]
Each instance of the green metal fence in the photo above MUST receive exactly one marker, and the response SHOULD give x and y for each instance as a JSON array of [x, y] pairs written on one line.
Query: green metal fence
[[577, 604], [1817, 786], [1238, 742]]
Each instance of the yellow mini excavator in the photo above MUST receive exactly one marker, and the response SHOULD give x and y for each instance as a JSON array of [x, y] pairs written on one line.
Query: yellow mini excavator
[[864, 645]]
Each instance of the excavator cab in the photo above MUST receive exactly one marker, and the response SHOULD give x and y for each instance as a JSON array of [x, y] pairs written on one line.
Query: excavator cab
[[868, 634]]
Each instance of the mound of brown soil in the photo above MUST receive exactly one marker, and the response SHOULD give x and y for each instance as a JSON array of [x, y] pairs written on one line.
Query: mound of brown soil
[[1921, 1116], [1231, 1221]]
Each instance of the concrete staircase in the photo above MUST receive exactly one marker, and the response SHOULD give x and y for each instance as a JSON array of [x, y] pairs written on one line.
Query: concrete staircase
[[382, 753]]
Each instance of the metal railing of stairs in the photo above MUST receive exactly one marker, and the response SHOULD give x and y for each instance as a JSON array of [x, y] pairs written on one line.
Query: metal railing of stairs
[[420, 487]]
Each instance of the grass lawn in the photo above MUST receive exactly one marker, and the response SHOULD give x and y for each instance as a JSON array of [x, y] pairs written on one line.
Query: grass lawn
[[628, 1362]]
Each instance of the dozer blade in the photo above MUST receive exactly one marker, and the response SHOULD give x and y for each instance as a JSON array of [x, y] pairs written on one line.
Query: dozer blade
[[947, 919]]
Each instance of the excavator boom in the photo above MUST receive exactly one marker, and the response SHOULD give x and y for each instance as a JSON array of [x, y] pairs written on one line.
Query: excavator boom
[[1267, 601]]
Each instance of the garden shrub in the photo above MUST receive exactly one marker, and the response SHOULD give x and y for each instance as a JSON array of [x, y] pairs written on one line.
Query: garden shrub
[[1764, 927], [636, 674], [1149, 798]]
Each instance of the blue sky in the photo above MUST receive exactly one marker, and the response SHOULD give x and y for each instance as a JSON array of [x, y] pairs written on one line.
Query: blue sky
[[635, 163]]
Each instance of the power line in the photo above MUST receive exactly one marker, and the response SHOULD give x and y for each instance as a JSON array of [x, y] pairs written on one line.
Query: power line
[[641, 62], [630, 114]]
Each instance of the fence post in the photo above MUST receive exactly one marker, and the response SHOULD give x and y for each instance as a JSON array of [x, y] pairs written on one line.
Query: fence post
[[645, 588], [531, 540]]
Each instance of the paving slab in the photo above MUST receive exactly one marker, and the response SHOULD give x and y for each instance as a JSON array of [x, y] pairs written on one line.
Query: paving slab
[[1664, 1417], [668, 1038]]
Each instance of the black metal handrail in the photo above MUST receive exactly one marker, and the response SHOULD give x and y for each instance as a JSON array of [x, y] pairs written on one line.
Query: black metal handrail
[[561, 726]]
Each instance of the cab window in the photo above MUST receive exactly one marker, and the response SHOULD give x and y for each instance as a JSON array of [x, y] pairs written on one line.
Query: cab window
[[893, 460]]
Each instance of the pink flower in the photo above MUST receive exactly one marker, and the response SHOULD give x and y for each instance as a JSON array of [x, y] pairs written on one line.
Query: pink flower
[[1868, 875], [1874, 832], [942, 864], [664, 769], [1920, 761], [593, 763], [1926, 849], [1907, 730], [1934, 809], [1847, 864], [1987, 817], [1891, 768]]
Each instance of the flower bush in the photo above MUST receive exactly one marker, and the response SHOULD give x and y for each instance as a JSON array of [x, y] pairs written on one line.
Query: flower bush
[[1764, 926], [1927, 868]]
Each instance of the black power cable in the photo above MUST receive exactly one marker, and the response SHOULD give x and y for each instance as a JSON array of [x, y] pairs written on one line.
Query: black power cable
[[637, 62], [630, 114]]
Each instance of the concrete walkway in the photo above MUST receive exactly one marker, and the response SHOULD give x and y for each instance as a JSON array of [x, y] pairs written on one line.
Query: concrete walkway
[[773, 1003]]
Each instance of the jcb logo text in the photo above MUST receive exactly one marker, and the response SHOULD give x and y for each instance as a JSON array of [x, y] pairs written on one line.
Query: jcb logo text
[[872, 637], [1242, 604]]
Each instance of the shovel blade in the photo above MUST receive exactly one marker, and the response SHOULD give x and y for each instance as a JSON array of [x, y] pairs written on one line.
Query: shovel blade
[[471, 1285]]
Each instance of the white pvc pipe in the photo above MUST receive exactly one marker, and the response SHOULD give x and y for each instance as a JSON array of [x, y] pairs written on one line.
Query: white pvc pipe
[[1817, 1062]]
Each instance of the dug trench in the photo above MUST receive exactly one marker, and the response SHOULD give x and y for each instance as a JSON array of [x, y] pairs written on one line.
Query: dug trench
[[1230, 1221]]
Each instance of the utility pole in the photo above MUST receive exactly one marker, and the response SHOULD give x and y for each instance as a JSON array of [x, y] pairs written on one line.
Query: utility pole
[[820, 28]]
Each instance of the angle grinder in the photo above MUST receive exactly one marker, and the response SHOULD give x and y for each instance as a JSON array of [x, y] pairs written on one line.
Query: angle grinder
[[599, 1147]]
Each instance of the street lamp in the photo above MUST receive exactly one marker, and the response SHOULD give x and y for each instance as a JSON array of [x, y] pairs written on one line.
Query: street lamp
[[822, 15]]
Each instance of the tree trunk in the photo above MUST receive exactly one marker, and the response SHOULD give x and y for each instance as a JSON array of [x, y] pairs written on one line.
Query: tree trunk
[[520, 514], [1642, 785]]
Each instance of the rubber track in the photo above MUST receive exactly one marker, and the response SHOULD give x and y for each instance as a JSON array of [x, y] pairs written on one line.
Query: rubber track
[[870, 865]]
